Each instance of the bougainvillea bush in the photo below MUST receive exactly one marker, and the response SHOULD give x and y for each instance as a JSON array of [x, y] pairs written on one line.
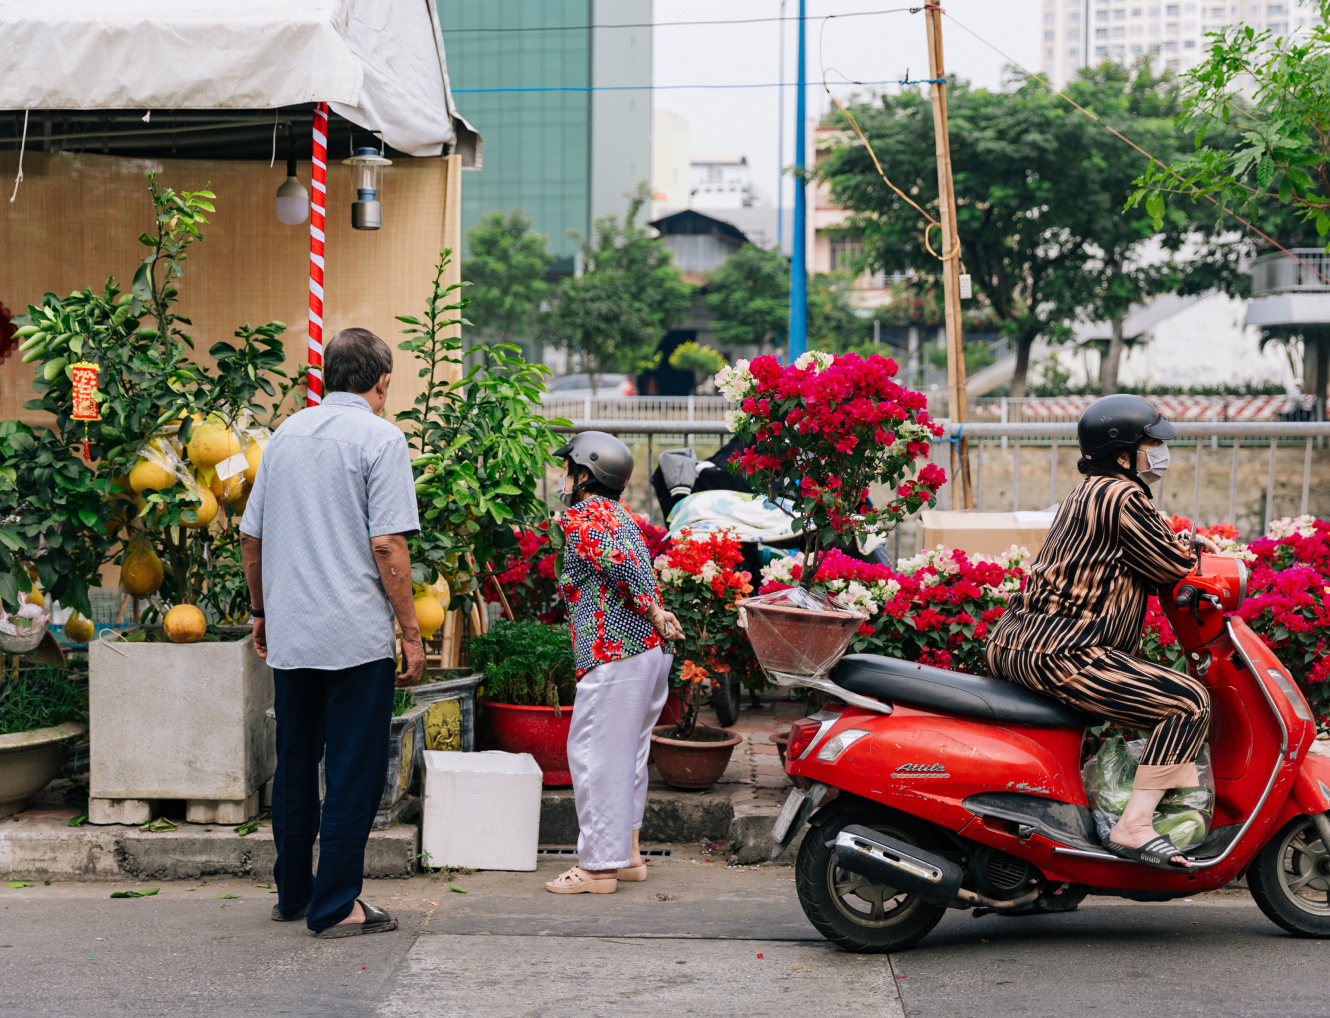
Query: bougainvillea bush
[[817, 432], [935, 608]]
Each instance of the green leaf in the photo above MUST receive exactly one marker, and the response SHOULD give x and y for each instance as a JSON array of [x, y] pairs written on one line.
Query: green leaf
[[456, 889], [142, 285], [88, 517], [18, 883], [226, 894]]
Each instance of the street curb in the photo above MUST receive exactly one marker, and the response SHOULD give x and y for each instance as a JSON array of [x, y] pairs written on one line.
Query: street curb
[[49, 849]]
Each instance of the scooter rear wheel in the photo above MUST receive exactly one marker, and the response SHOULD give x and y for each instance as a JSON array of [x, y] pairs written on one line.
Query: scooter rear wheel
[[725, 699], [1290, 880], [849, 910]]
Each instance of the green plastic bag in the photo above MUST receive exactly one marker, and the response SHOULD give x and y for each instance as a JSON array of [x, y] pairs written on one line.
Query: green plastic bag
[[1183, 815]]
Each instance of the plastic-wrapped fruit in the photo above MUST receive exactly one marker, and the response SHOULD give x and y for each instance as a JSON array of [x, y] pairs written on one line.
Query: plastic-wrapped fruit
[[185, 624], [429, 615], [207, 510], [148, 476], [140, 570], [253, 454], [228, 490], [79, 629], [210, 443]]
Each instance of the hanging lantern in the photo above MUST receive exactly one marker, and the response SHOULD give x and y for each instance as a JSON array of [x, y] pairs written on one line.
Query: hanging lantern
[[292, 198], [367, 164], [86, 407]]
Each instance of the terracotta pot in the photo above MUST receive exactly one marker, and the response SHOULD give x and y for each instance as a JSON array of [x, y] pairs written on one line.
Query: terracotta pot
[[537, 731], [798, 641], [692, 764]]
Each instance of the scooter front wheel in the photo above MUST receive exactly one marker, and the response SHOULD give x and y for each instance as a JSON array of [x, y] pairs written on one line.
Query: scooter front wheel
[[847, 908], [1290, 880]]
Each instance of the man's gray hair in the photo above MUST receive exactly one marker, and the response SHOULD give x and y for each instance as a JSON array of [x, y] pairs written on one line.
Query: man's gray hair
[[354, 361]]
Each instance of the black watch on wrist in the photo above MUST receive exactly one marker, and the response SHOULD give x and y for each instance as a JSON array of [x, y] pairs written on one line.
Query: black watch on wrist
[[257, 612]]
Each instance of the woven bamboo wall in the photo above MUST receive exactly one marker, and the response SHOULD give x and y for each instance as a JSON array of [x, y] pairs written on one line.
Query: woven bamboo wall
[[77, 219]]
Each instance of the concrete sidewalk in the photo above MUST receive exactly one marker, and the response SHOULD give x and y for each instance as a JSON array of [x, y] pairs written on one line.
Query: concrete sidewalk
[[737, 813]]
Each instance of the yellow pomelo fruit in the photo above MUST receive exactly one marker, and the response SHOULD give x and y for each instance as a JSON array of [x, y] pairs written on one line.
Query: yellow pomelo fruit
[[123, 484], [210, 443], [227, 490], [36, 597], [253, 454], [141, 570], [185, 624], [429, 615], [78, 629], [148, 476], [237, 508], [207, 511]]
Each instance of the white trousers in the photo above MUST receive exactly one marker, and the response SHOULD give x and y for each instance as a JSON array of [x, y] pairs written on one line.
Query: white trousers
[[608, 743]]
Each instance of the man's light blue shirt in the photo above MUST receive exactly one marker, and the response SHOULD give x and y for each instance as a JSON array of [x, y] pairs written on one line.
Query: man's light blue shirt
[[331, 478]]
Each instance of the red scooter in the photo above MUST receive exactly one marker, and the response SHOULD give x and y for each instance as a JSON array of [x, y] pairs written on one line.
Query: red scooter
[[926, 789]]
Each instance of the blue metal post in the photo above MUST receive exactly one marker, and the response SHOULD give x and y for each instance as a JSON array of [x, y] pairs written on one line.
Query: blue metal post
[[798, 267]]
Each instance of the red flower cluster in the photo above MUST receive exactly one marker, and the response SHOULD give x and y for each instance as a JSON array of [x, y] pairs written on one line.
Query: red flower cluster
[[528, 578], [831, 429]]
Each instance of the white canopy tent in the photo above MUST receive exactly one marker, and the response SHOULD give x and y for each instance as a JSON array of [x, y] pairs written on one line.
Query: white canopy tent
[[378, 63]]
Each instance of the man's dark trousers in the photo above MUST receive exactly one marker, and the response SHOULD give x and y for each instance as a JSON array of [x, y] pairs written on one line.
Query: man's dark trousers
[[341, 717]]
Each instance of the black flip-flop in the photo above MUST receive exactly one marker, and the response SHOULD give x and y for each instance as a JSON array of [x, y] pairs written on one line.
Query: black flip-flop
[[1157, 853], [376, 921], [288, 917]]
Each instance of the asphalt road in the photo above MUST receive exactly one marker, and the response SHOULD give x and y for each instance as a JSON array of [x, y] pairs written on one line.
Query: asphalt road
[[696, 939]]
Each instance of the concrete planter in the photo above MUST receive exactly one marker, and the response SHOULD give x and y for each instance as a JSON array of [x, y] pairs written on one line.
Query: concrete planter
[[179, 721], [29, 760]]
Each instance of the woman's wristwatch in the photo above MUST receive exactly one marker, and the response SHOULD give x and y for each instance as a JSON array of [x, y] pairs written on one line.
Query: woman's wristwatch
[[257, 612]]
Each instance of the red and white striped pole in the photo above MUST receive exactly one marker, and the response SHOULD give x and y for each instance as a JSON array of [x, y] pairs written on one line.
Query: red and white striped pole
[[317, 206]]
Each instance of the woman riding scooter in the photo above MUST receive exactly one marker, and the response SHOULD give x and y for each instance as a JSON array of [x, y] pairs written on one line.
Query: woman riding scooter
[[1072, 634]]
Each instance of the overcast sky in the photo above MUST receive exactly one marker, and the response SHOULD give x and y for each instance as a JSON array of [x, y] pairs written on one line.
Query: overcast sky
[[872, 48]]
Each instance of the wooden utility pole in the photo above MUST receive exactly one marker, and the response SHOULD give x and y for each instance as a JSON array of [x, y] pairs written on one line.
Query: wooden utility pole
[[951, 268]]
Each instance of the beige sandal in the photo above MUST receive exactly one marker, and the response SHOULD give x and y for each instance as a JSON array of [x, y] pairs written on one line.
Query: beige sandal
[[634, 873], [578, 881]]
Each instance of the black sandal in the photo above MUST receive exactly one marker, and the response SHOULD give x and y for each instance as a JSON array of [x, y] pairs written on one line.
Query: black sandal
[[1157, 853], [289, 917], [376, 921]]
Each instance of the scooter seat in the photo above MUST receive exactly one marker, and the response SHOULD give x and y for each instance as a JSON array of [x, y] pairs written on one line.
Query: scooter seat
[[889, 678]]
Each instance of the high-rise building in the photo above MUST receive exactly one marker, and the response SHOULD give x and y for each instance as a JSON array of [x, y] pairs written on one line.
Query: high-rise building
[[1081, 33], [564, 157]]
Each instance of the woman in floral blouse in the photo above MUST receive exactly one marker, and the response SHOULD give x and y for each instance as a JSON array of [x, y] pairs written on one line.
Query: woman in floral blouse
[[618, 626]]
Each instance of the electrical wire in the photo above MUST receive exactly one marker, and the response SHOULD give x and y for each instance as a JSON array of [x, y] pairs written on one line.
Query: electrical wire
[[869, 145], [670, 24], [1122, 137]]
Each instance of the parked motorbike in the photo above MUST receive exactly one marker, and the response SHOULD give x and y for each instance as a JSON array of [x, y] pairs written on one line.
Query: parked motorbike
[[928, 789]]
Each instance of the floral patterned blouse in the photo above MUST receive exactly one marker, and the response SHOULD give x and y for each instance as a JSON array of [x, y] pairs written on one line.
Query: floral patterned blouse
[[607, 583]]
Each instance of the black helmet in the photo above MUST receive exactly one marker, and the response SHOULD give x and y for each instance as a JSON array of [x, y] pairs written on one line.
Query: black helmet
[[1119, 422], [608, 459]]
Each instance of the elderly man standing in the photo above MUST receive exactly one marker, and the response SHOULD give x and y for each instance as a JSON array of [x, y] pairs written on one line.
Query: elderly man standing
[[324, 548]]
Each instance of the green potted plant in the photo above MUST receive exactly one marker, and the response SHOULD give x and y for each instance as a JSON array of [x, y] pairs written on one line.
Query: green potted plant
[[702, 361], [175, 446], [41, 711], [529, 685], [701, 586]]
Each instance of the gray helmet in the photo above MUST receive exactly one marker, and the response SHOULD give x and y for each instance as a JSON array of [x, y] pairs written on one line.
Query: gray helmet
[[608, 459]]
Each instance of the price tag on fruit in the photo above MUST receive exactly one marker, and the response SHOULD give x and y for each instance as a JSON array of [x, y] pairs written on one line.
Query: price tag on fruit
[[231, 466]]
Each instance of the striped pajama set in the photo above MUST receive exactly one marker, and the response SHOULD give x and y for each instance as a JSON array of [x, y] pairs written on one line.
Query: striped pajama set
[[1073, 632]]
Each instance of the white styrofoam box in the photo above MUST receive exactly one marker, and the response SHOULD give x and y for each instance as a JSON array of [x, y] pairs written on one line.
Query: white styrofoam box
[[482, 810]]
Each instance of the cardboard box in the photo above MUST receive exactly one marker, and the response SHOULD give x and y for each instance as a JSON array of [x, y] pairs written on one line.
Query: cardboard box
[[986, 533]]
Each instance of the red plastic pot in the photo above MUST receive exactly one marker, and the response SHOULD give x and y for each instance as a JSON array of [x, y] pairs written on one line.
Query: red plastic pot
[[537, 731], [672, 712], [692, 763]]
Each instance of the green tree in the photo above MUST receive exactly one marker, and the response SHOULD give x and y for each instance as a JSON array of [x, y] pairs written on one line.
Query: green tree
[[832, 323], [599, 317], [506, 271], [749, 295], [1040, 190], [646, 264], [700, 360]]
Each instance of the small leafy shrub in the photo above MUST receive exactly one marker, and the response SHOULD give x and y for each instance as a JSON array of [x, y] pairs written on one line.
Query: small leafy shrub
[[40, 697], [526, 663]]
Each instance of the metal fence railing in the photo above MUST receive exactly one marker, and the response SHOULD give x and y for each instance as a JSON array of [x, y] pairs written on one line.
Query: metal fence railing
[[1196, 444], [1280, 273]]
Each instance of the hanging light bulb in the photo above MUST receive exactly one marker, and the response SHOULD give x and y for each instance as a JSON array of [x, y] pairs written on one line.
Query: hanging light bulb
[[292, 198], [367, 164]]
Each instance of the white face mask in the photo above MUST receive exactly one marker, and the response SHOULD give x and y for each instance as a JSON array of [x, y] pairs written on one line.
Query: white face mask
[[1157, 457]]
